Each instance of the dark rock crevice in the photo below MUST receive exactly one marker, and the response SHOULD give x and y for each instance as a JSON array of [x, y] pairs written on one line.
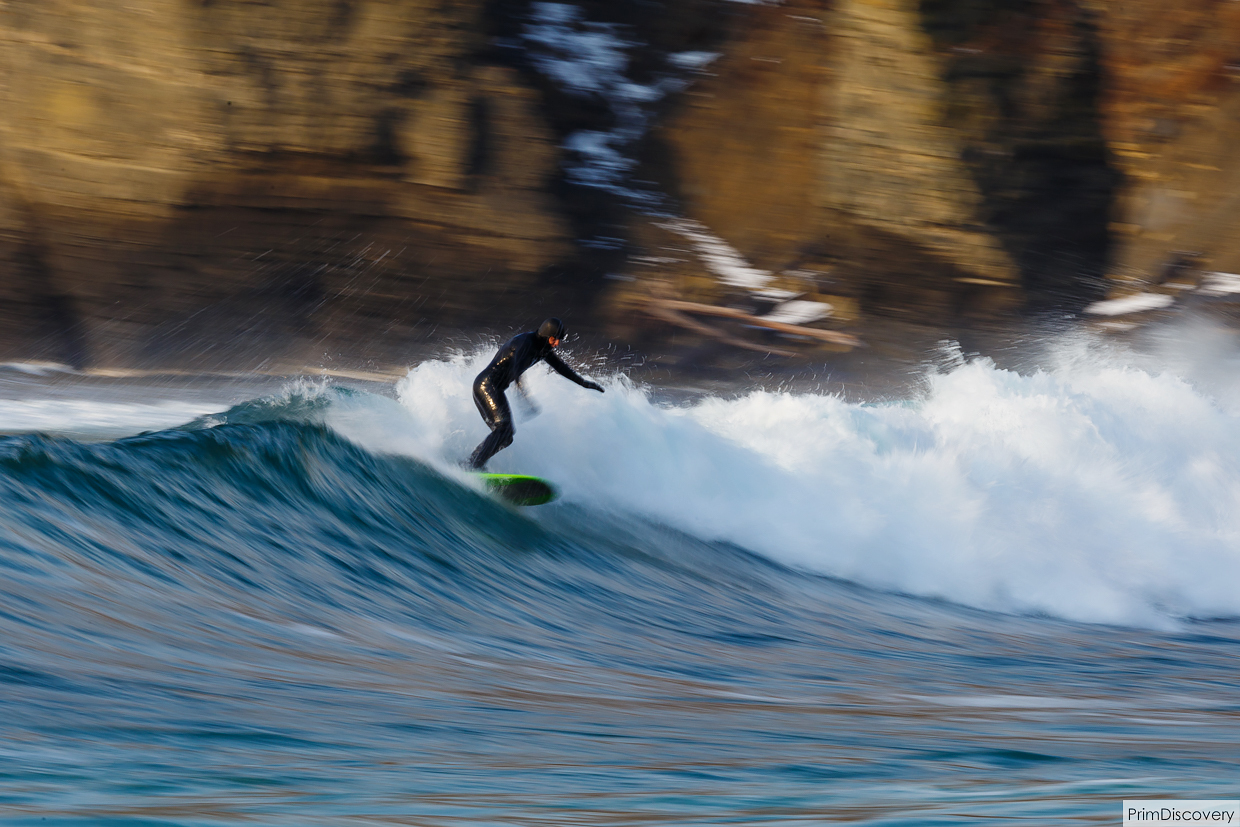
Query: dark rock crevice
[[479, 158], [1024, 80]]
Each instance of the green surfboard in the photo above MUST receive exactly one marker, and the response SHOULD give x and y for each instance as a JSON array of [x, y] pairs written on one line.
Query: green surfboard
[[519, 489]]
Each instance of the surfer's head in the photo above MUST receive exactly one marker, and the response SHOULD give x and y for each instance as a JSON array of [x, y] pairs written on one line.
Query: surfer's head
[[553, 331]]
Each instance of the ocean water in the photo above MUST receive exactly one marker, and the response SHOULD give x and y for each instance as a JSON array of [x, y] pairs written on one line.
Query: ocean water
[[1009, 596]]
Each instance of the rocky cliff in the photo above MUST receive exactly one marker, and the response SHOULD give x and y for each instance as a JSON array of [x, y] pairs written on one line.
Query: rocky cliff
[[939, 159], [947, 156], [182, 181]]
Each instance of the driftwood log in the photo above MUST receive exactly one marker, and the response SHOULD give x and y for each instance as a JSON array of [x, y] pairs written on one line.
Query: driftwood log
[[676, 311], [655, 309]]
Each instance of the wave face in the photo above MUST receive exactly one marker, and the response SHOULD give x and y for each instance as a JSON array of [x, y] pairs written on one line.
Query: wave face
[[299, 610]]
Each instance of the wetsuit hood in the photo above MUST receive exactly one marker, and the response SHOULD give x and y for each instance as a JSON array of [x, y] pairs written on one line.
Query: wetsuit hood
[[552, 328]]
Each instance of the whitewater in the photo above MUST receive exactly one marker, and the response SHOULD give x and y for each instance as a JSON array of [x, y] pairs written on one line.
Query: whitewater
[[1006, 594], [1090, 491]]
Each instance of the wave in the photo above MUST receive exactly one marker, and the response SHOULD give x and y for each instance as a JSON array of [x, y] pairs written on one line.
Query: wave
[[261, 533], [1092, 491]]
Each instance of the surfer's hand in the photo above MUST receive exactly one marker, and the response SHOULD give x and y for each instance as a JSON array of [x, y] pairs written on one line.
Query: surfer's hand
[[595, 386]]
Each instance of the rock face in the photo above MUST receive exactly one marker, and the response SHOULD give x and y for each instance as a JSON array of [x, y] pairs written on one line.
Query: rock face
[[180, 181], [193, 182], [1172, 113], [938, 156], [890, 159], [1044, 144], [821, 139], [1024, 81]]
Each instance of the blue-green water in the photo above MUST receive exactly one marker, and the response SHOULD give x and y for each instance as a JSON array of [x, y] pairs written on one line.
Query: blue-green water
[[252, 619]]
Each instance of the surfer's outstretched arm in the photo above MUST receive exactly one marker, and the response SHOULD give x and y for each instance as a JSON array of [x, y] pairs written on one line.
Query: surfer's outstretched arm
[[564, 370]]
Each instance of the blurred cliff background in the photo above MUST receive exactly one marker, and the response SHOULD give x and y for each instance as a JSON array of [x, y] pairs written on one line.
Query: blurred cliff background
[[211, 184]]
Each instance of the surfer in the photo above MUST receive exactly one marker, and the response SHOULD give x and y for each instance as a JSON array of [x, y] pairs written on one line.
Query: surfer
[[513, 359]]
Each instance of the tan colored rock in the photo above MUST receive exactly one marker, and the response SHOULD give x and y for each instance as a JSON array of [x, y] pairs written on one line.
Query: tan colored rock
[[97, 103], [822, 132], [890, 159], [1171, 109], [175, 174], [745, 143]]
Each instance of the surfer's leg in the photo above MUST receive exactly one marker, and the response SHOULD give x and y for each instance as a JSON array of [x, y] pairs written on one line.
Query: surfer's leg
[[499, 439], [495, 412]]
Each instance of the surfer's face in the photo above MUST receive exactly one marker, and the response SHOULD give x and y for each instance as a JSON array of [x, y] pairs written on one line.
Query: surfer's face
[[553, 341]]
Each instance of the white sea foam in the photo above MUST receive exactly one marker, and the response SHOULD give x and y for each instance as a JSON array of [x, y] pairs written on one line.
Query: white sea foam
[[1131, 304], [95, 419], [720, 258], [1093, 490], [591, 58]]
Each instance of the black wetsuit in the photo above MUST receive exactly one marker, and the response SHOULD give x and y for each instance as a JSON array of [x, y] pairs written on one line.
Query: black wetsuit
[[516, 356]]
